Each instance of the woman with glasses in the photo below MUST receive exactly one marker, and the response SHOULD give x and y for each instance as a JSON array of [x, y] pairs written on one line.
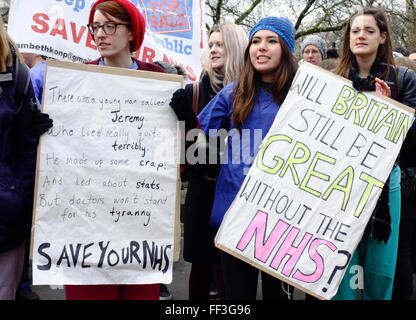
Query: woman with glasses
[[118, 29]]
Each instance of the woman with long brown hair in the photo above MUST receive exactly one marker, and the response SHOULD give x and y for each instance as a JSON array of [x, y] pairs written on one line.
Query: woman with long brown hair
[[367, 60]]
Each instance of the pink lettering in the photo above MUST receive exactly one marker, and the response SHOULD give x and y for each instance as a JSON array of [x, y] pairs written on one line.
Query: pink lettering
[[175, 6]]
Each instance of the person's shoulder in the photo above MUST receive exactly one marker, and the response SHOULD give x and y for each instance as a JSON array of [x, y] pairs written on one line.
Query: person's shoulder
[[40, 65], [405, 76]]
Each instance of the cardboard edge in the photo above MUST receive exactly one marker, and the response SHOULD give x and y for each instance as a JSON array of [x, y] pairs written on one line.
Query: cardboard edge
[[35, 193]]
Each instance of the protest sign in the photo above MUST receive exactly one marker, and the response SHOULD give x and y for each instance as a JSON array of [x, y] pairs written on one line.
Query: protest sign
[[58, 29], [107, 177], [305, 202]]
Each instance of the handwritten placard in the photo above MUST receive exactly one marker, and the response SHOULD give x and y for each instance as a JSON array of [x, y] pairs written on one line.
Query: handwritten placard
[[304, 204], [106, 177]]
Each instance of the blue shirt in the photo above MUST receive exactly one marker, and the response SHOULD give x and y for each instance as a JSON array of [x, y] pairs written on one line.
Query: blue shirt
[[216, 115]]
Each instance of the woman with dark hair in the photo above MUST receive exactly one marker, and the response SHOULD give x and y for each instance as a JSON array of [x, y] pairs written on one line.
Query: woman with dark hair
[[118, 29], [367, 60], [246, 109]]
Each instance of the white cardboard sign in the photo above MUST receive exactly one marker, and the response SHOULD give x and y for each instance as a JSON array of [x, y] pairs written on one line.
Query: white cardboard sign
[[304, 204]]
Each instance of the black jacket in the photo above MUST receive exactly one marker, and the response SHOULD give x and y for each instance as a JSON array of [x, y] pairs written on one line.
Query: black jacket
[[206, 92], [407, 96]]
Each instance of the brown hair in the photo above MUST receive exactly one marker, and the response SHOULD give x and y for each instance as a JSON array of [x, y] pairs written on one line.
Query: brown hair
[[6, 57], [385, 50], [249, 83]]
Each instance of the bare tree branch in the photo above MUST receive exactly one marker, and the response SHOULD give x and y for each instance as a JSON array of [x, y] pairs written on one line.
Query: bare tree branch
[[217, 15]]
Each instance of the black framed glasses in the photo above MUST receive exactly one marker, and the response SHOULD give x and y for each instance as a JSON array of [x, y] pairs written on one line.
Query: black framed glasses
[[109, 28]]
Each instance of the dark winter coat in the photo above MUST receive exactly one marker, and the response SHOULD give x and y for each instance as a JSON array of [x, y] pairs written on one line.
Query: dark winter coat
[[17, 164], [402, 83], [198, 234]]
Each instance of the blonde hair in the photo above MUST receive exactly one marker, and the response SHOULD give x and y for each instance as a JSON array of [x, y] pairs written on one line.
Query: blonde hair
[[6, 56], [235, 41]]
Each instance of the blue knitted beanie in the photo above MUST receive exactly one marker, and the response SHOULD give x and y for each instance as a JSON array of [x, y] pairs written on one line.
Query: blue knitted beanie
[[282, 26]]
